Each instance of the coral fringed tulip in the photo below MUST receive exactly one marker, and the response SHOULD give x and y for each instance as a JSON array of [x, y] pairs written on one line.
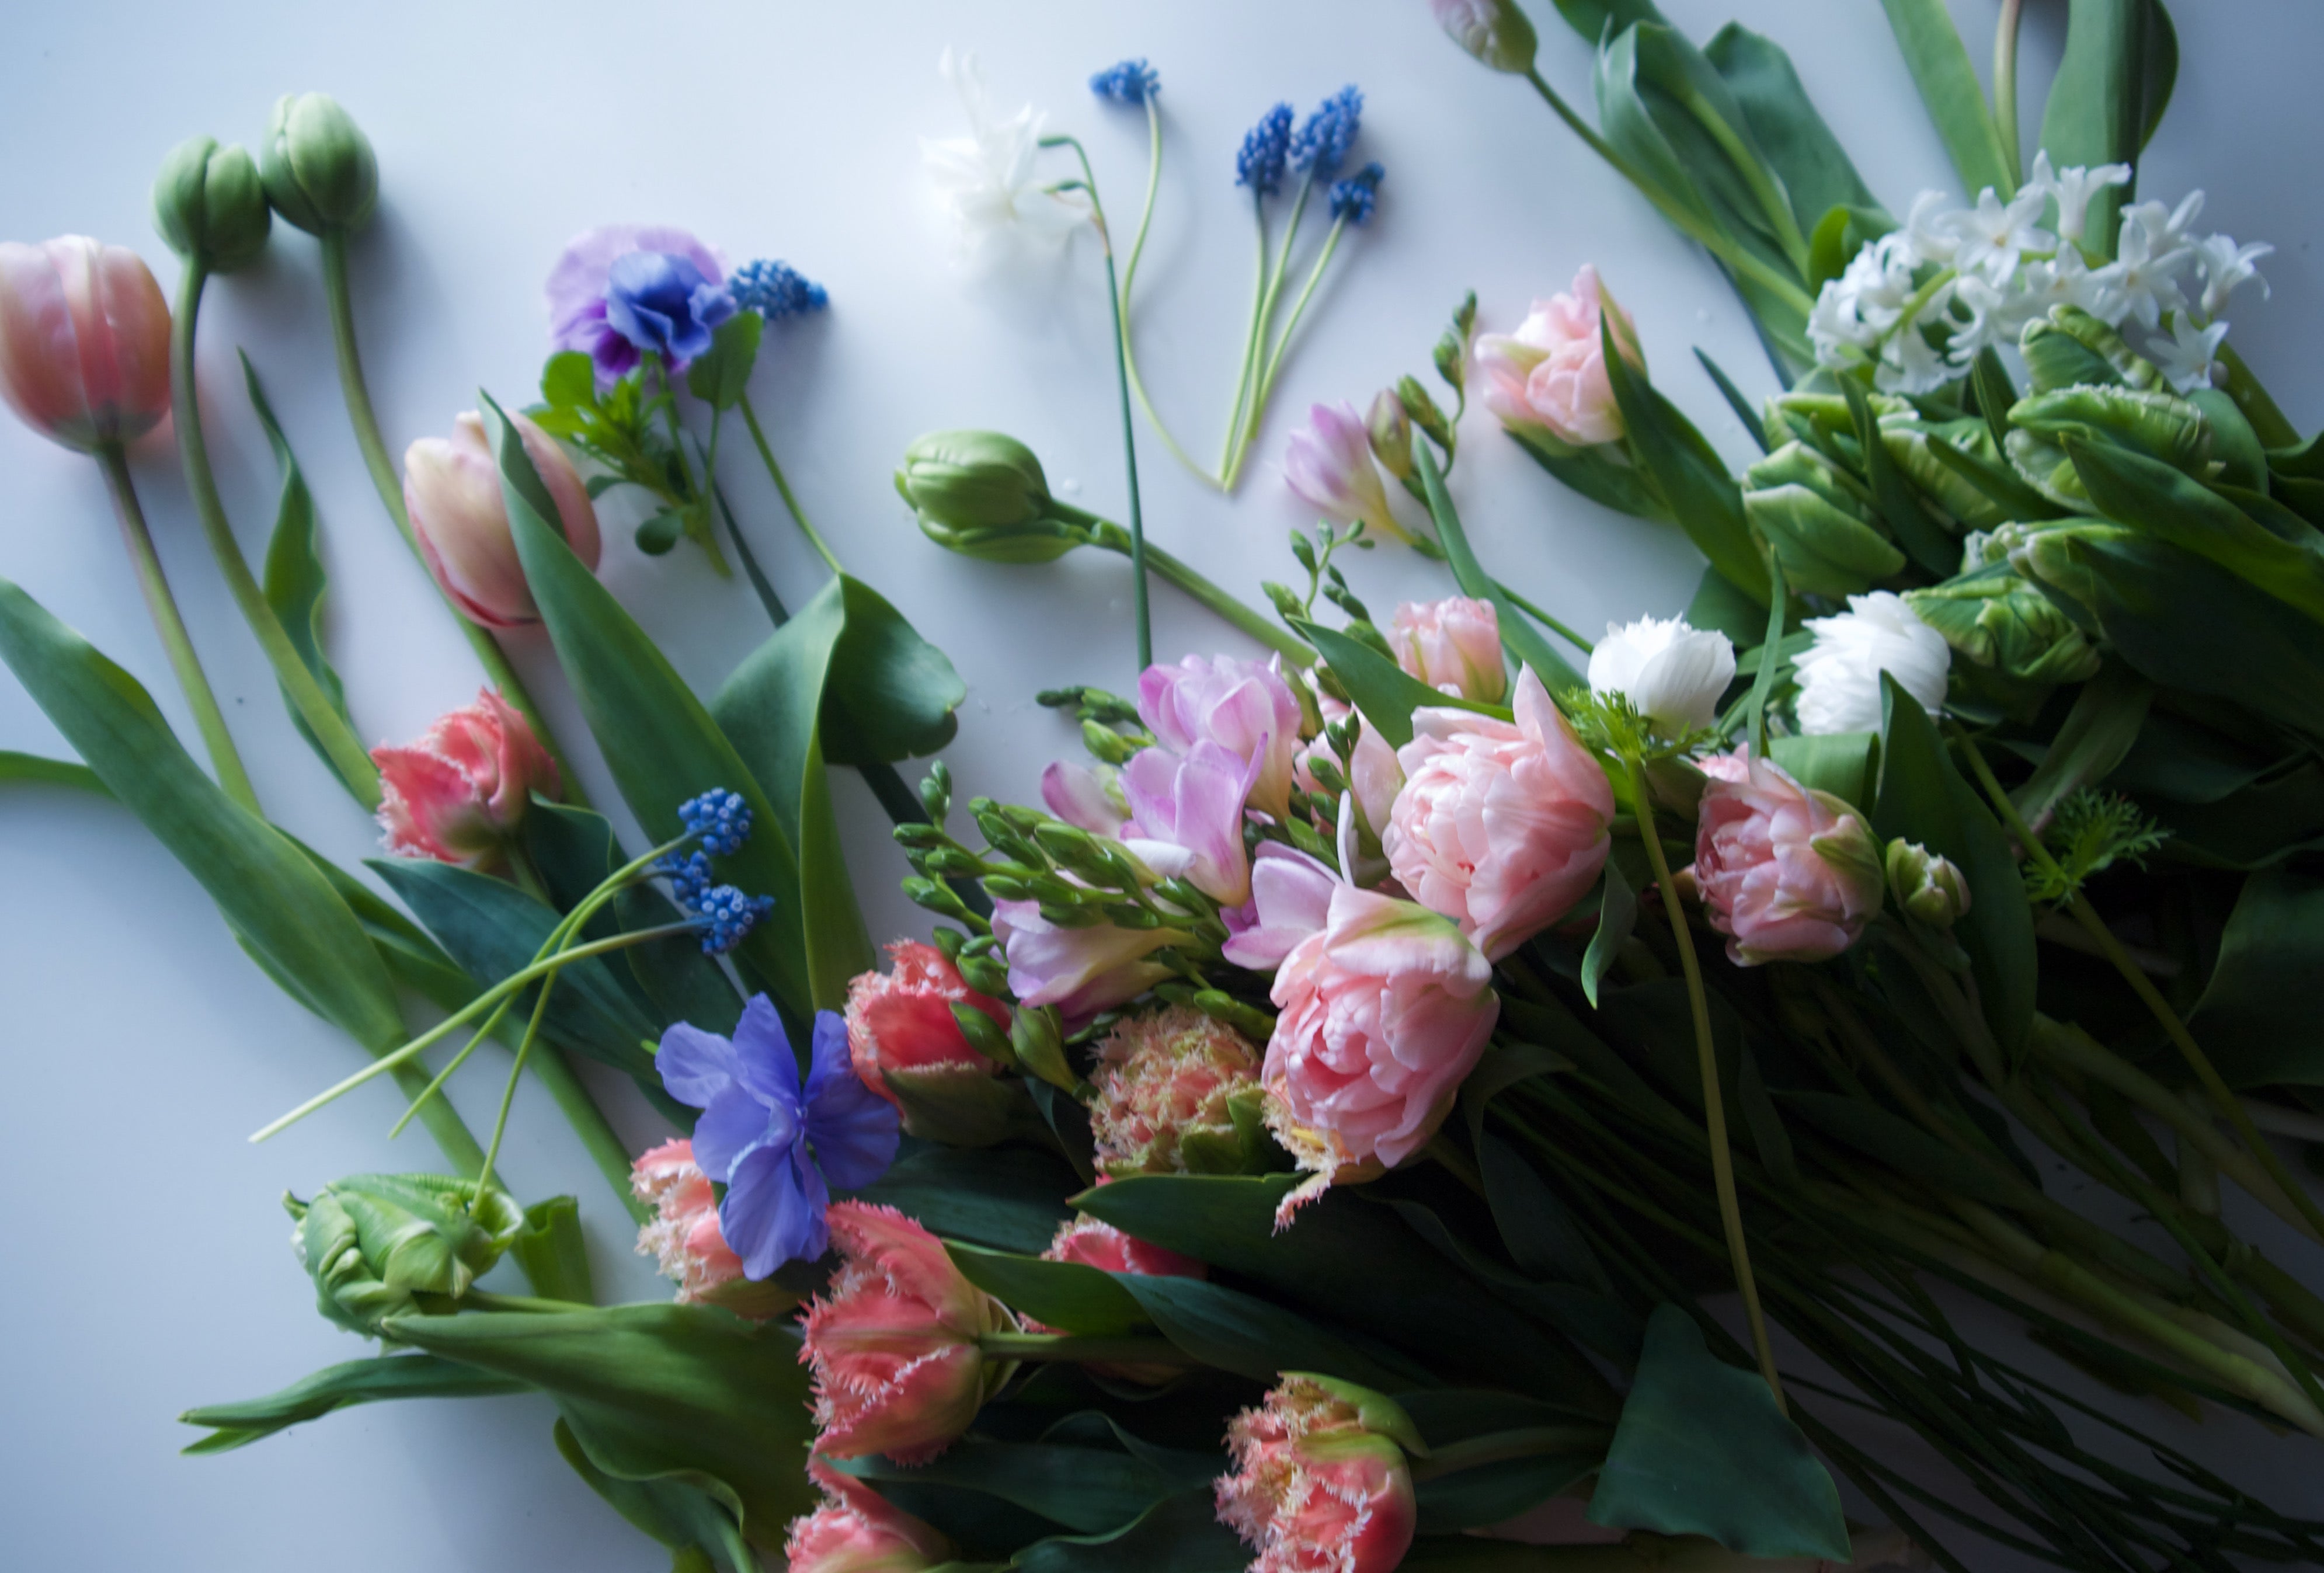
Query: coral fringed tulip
[[452, 490], [901, 1019], [1788, 873], [1551, 372], [892, 1342], [685, 1240], [857, 1530], [84, 341], [1163, 1086], [1313, 1491], [1452, 645], [1091, 1243], [459, 792]]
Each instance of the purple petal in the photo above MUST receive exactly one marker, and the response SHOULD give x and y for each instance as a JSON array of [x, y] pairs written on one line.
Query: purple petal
[[853, 1130], [773, 1211], [695, 1066], [762, 1054], [736, 1125]]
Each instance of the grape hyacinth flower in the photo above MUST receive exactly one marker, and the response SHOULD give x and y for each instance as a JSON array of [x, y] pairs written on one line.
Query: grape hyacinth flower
[[728, 916], [665, 305], [776, 290], [720, 817], [777, 1146], [1266, 152], [1322, 143], [1127, 82], [1353, 198]]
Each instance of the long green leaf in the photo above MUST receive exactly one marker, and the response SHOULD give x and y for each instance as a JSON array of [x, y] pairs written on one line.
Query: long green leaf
[[47, 772], [1589, 471], [1178, 1534], [2148, 494], [1688, 472], [1088, 1489], [1940, 64], [1793, 137], [236, 1425], [1518, 635], [1383, 691], [2257, 1017], [674, 1511], [1068, 1296], [2112, 83], [294, 582]]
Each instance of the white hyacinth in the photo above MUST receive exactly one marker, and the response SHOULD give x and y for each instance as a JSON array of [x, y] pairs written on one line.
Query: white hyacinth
[[1671, 671], [1839, 673]]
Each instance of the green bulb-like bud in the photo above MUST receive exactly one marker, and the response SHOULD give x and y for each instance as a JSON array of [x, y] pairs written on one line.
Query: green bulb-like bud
[[320, 172], [983, 495], [381, 1245], [1929, 887], [1822, 538], [2070, 346], [2150, 422], [210, 206], [2000, 620]]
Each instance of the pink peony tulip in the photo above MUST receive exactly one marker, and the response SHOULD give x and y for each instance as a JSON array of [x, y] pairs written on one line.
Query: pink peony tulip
[[1788, 873], [1502, 826], [1371, 771], [1243, 706], [901, 1019], [1162, 1082], [683, 1237], [1082, 798], [1382, 1013], [1552, 372], [459, 792], [1079, 971], [1187, 817], [1453, 646], [452, 490], [1313, 1491], [1329, 464], [857, 1530], [892, 1341], [1290, 898], [84, 341]]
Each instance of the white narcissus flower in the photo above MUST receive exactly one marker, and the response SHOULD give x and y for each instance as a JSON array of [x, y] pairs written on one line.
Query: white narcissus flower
[[987, 179], [1673, 673], [2188, 358], [1840, 675]]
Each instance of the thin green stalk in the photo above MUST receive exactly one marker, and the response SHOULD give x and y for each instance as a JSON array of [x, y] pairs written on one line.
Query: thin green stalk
[[339, 743], [1251, 334], [705, 535], [1714, 1108], [388, 482], [516, 1074], [1054, 1347], [1129, 282], [1266, 387], [775, 473], [1763, 687], [176, 643], [1543, 618], [2005, 86], [1112, 538]]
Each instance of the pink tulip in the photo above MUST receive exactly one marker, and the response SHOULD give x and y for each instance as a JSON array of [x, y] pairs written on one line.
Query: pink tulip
[[1382, 1013], [1161, 1080], [459, 792], [1094, 1244], [1371, 770], [1787, 873], [683, 1237], [452, 490], [901, 1019], [1243, 706], [1329, 464], [1312, 1490], [1453, 646], [1552, 372], [1290, 898], [1079, 971], [1080, 797], [857, 1530], [892, 1341], [84, 341], [1500, 826], [1187, 817]]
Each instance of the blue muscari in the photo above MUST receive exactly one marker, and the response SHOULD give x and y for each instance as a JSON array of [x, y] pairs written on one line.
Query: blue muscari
[[729, 914], [776, 290], [720, 818], [1127, 82], [1322, 143], [1265, 149], [1352, 198], [689, 876]]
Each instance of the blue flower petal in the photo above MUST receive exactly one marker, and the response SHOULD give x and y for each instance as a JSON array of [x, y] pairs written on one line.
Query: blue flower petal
[[695, 1066], [853, 1130], [773, 1211], [763, 1061], [736, 1125]]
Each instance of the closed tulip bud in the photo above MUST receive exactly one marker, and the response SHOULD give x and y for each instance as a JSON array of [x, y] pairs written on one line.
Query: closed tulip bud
[[983, 495], [2072, 346], [1390, 429], [1926, 884], [379, 1245], [903, 1019], [1824, 550], [857, 1530], [1319, 1480], [2000, 620], [1787, 873], [1907, 439], [1494, 31], [2158, 424], [452, 492], [319, 170], [210, 206], [460, 793], [84, 341]]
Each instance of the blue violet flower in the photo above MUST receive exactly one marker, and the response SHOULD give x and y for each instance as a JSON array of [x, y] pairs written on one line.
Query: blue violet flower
[[1266, 150], [661, 303], [776, 290], [1127, 82], [1322, 143], [1352, 198]]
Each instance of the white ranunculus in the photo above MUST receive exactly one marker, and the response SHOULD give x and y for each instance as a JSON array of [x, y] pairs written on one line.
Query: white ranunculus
[[988, 180], [1840, 675], [1672, 672]]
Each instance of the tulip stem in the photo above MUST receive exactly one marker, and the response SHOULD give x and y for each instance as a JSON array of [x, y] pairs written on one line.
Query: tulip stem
[[324, 723], [1265, 386], [1537, 613], [1052, 1346], [1112, 538], [388, 483], [171, 628], [699, 499], [1714, 1107], [516, 1074], [1129, 282], [783, 487]]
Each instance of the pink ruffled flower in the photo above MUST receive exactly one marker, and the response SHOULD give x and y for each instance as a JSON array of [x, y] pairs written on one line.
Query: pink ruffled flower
[[1552, 372], [1502, 826], [1162, 1083], [1082, 798], [452, 492], [892, 1341], [1329, 464], [1787, 873], [459, 792], [577, 285], [1079, 971], [857, 1530], [1243, 706], [1095, 1243], [84, 341], [1313, 1491], [1382, 1014], [1453, 646], [1372, 773], [901, 1019], [1290, 898], [683, 1237], [1187, 817]]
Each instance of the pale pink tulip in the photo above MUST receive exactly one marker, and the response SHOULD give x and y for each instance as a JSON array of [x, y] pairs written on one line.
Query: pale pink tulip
[[857, 1530], [684, 1238], [84, 341], [1243, 706], [1313, 1491], [901, 1019], [1787, 873], [1453, 646], [1187, 817], [459, 792], [1329, 464], [1552, 370], [452, 490]]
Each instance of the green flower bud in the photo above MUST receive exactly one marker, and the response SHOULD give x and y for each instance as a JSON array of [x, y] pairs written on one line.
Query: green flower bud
[[210, 206], [2000, 620], [1824, 551], [2159, 424], [2044, 466], [320, 172], [983, 495], [1906, 439], [1797, 465], [1424, 411], [1390, 430], [1495, 32], [2070, 346], [380, 1244], [1926, 884]]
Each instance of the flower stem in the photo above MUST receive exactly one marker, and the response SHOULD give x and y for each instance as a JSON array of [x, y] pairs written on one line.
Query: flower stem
[[1051, 1346], [330, 730], [1250, 338], [516, 1074], [1537, 614], [385, 480], [1129, 282], [775, 471], [697, 524], [1714, 1109], [2005, 86], [1266, 388], [1112, 538], [1763, 687], [171, 628]]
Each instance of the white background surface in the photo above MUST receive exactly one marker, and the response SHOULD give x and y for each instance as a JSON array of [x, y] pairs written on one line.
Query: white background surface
[[148, 1269]]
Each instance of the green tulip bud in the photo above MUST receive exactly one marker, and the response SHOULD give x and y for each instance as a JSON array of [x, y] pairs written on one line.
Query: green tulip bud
[[320, 172], [380, 1244], [2000, 620], [2044, 466], [1390, 430], [1906, 439], [210, 206], [1495, 32], [983, 495], [1824, 551], [2150, 422], [1797, 465], [1927, 886], [2070, 346]]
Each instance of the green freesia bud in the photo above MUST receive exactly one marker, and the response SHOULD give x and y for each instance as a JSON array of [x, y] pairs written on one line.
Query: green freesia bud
[[2150, 422], [1825, 550], [380, 1244], [1390, 430], [210, 206], [320, 171], [2000, 620], [983, 495], [1926, 884], [1495, 32], [2070, 346]]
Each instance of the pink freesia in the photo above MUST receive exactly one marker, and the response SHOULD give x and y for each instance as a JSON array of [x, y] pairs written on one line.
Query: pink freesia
[[1187, 817], [584, 270], [1243, 706], [857, 1530], [1787, 873], [452, 492], [1313, 1491], [1502, 826], [84, 341], [1328, 462], [1381, 1014], [901, 1019], [459, 792], [1162, 1082], [1453, 646], [1371, 770], [892, 1341], [684, 1238], [1079, 971], [1552, 370], [1079, 796], [1290, 898]]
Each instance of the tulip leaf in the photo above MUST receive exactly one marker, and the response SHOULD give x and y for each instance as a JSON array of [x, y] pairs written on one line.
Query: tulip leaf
[[413, 960], [1618, 912], [1792, 137], [1591, 472], [236, 1425], [721, 378], [2096, 736], [1940, 68], [1089, 1489], [552, 1252], [1009, 1198], [2262, 824], [294, 582], [1694, 480], [1254, 1337], [1178, 1534], [2146, 494], [674, 1511], [1901, 508], [2114, 82], [1840, 763], [46, 772], [1071, 1297], [1383, 691], [1703, 1449], [1520, 637], [2257, 1017]]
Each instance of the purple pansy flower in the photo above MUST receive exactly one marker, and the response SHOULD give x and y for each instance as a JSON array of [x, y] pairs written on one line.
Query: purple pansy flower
[[580, 281], [778, 1150]]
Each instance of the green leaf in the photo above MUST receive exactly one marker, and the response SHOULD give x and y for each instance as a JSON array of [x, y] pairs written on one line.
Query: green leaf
[[1940, 64], [33, 767], [1385, 691], [1593, 473], [1750, 418], [889, 694], [1789, 134], [236, 1425], [1068, 1296], [1618, 913], [1009, 1198], [674, 1512], [1840, 763], [1703, 1449], [1178, 1534], [2096, 736], [2257, 1017], [2149, 495], [1520, 637], [1693, 479], [1595, 19], [660, 534], [1088, 1489], [294, 580], [569, 380], [2001, 485], [1837, 236], [721, 378], [552, 1252], [1254, 1337], [2113, 83], [1719, 604], [1922, 536], [1872, 1132]]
